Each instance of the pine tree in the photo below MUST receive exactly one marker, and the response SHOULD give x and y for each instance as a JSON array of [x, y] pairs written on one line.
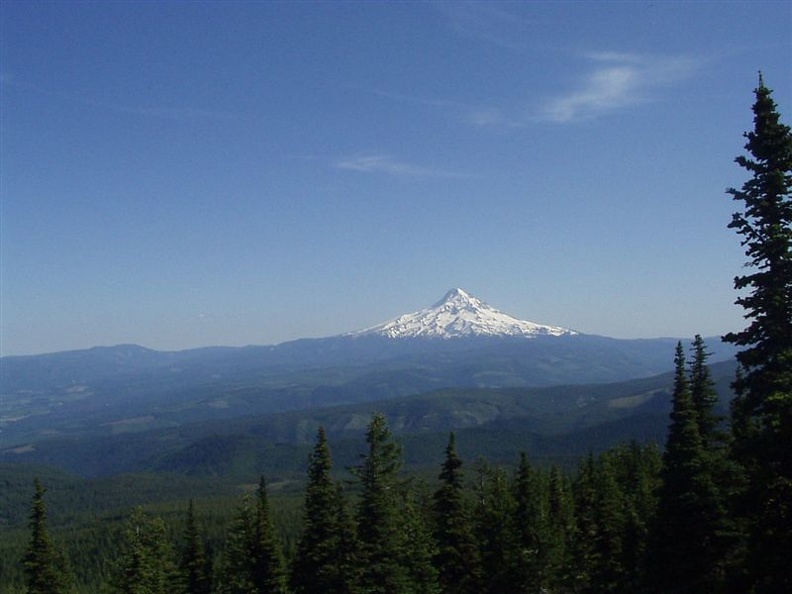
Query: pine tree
[[585, 530], [378, 513], [495, 530], [638, 470], [688, 506], [419, 546], [560, 521], [457, 554], [195, 568], [267, 570], [46, 570], [608, 571], [347, 563], [762, 409], [704, 397], [326, 547], [253, 561], [235, 572], [146, 564], [532, 527], [725, 476]]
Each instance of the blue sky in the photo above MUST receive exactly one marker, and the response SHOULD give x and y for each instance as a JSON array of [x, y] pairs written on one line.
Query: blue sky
[[183, 174]]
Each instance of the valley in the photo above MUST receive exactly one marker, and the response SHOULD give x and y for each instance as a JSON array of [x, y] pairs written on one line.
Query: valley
[[109, 428]]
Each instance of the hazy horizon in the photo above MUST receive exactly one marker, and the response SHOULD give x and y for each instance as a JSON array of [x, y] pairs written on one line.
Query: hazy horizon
[[181, 175]]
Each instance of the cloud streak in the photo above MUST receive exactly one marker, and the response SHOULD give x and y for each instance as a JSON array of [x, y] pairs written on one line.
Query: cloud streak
[[617, 81], [485, 22], [474, 115], [388, 165], [613, 82]]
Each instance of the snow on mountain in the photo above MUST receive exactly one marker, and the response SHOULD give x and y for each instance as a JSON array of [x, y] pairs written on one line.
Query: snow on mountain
[[458, 315]]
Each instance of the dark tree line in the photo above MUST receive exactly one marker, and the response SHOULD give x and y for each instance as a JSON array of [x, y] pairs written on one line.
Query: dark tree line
[[712, 513]]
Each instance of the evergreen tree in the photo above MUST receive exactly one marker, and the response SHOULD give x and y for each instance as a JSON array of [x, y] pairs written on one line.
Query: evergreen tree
[[704, 397], [614, 504], [762, 409], [725, 476], [457, 557], [146, 564], [638, 474], [532, 527], [46, 569], [585, 530], [420, 548], [608, 572], [495, 530], [347, 564], [195, 567], [322, 562], [266, 570], [560, 521], [688, 506], [235, 573], [253, 562], [378, 513]]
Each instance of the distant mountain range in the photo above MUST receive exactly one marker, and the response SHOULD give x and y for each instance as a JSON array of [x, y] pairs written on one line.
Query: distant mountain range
[[558, 424], [460, 343]]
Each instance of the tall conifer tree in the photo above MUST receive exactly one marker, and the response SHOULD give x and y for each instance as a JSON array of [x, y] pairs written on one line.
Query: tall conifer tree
[[419, 545], [560, 519], [585, 530], [235, 575], [457, 556], [704, 397], [762, 409], [495, 530], [322, 562], [267, 570], [608, 571], [722, 474], [195, 568], [378, 513], [253, 562], [147, 562], [532, 528], [686, 521], [46, 570], [347, 566], [638, 473]]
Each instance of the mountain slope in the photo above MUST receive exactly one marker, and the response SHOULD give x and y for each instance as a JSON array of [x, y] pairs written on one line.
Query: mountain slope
[[599, 415], [460, 342], [459, 314]]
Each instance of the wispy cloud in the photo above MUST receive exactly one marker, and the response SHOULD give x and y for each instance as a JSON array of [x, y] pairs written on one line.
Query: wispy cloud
[[493, 117], [486, 22], [389, 165], [617, 81], [476, 115], [613, 82]]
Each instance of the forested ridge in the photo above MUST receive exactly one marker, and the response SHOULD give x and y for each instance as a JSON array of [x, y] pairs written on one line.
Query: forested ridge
[[712, 512], [476, 527]]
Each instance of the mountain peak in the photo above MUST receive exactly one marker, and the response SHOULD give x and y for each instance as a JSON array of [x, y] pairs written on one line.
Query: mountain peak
[[457, 315], [456, 295]]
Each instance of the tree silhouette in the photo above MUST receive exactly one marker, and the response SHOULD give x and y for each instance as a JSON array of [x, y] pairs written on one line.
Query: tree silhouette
[[762, 409]]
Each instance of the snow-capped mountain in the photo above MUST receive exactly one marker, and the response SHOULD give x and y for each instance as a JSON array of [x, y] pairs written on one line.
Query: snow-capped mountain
[[459, 315]]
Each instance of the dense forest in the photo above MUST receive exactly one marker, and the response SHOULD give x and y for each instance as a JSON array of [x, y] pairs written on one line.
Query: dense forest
[[712, 512]]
